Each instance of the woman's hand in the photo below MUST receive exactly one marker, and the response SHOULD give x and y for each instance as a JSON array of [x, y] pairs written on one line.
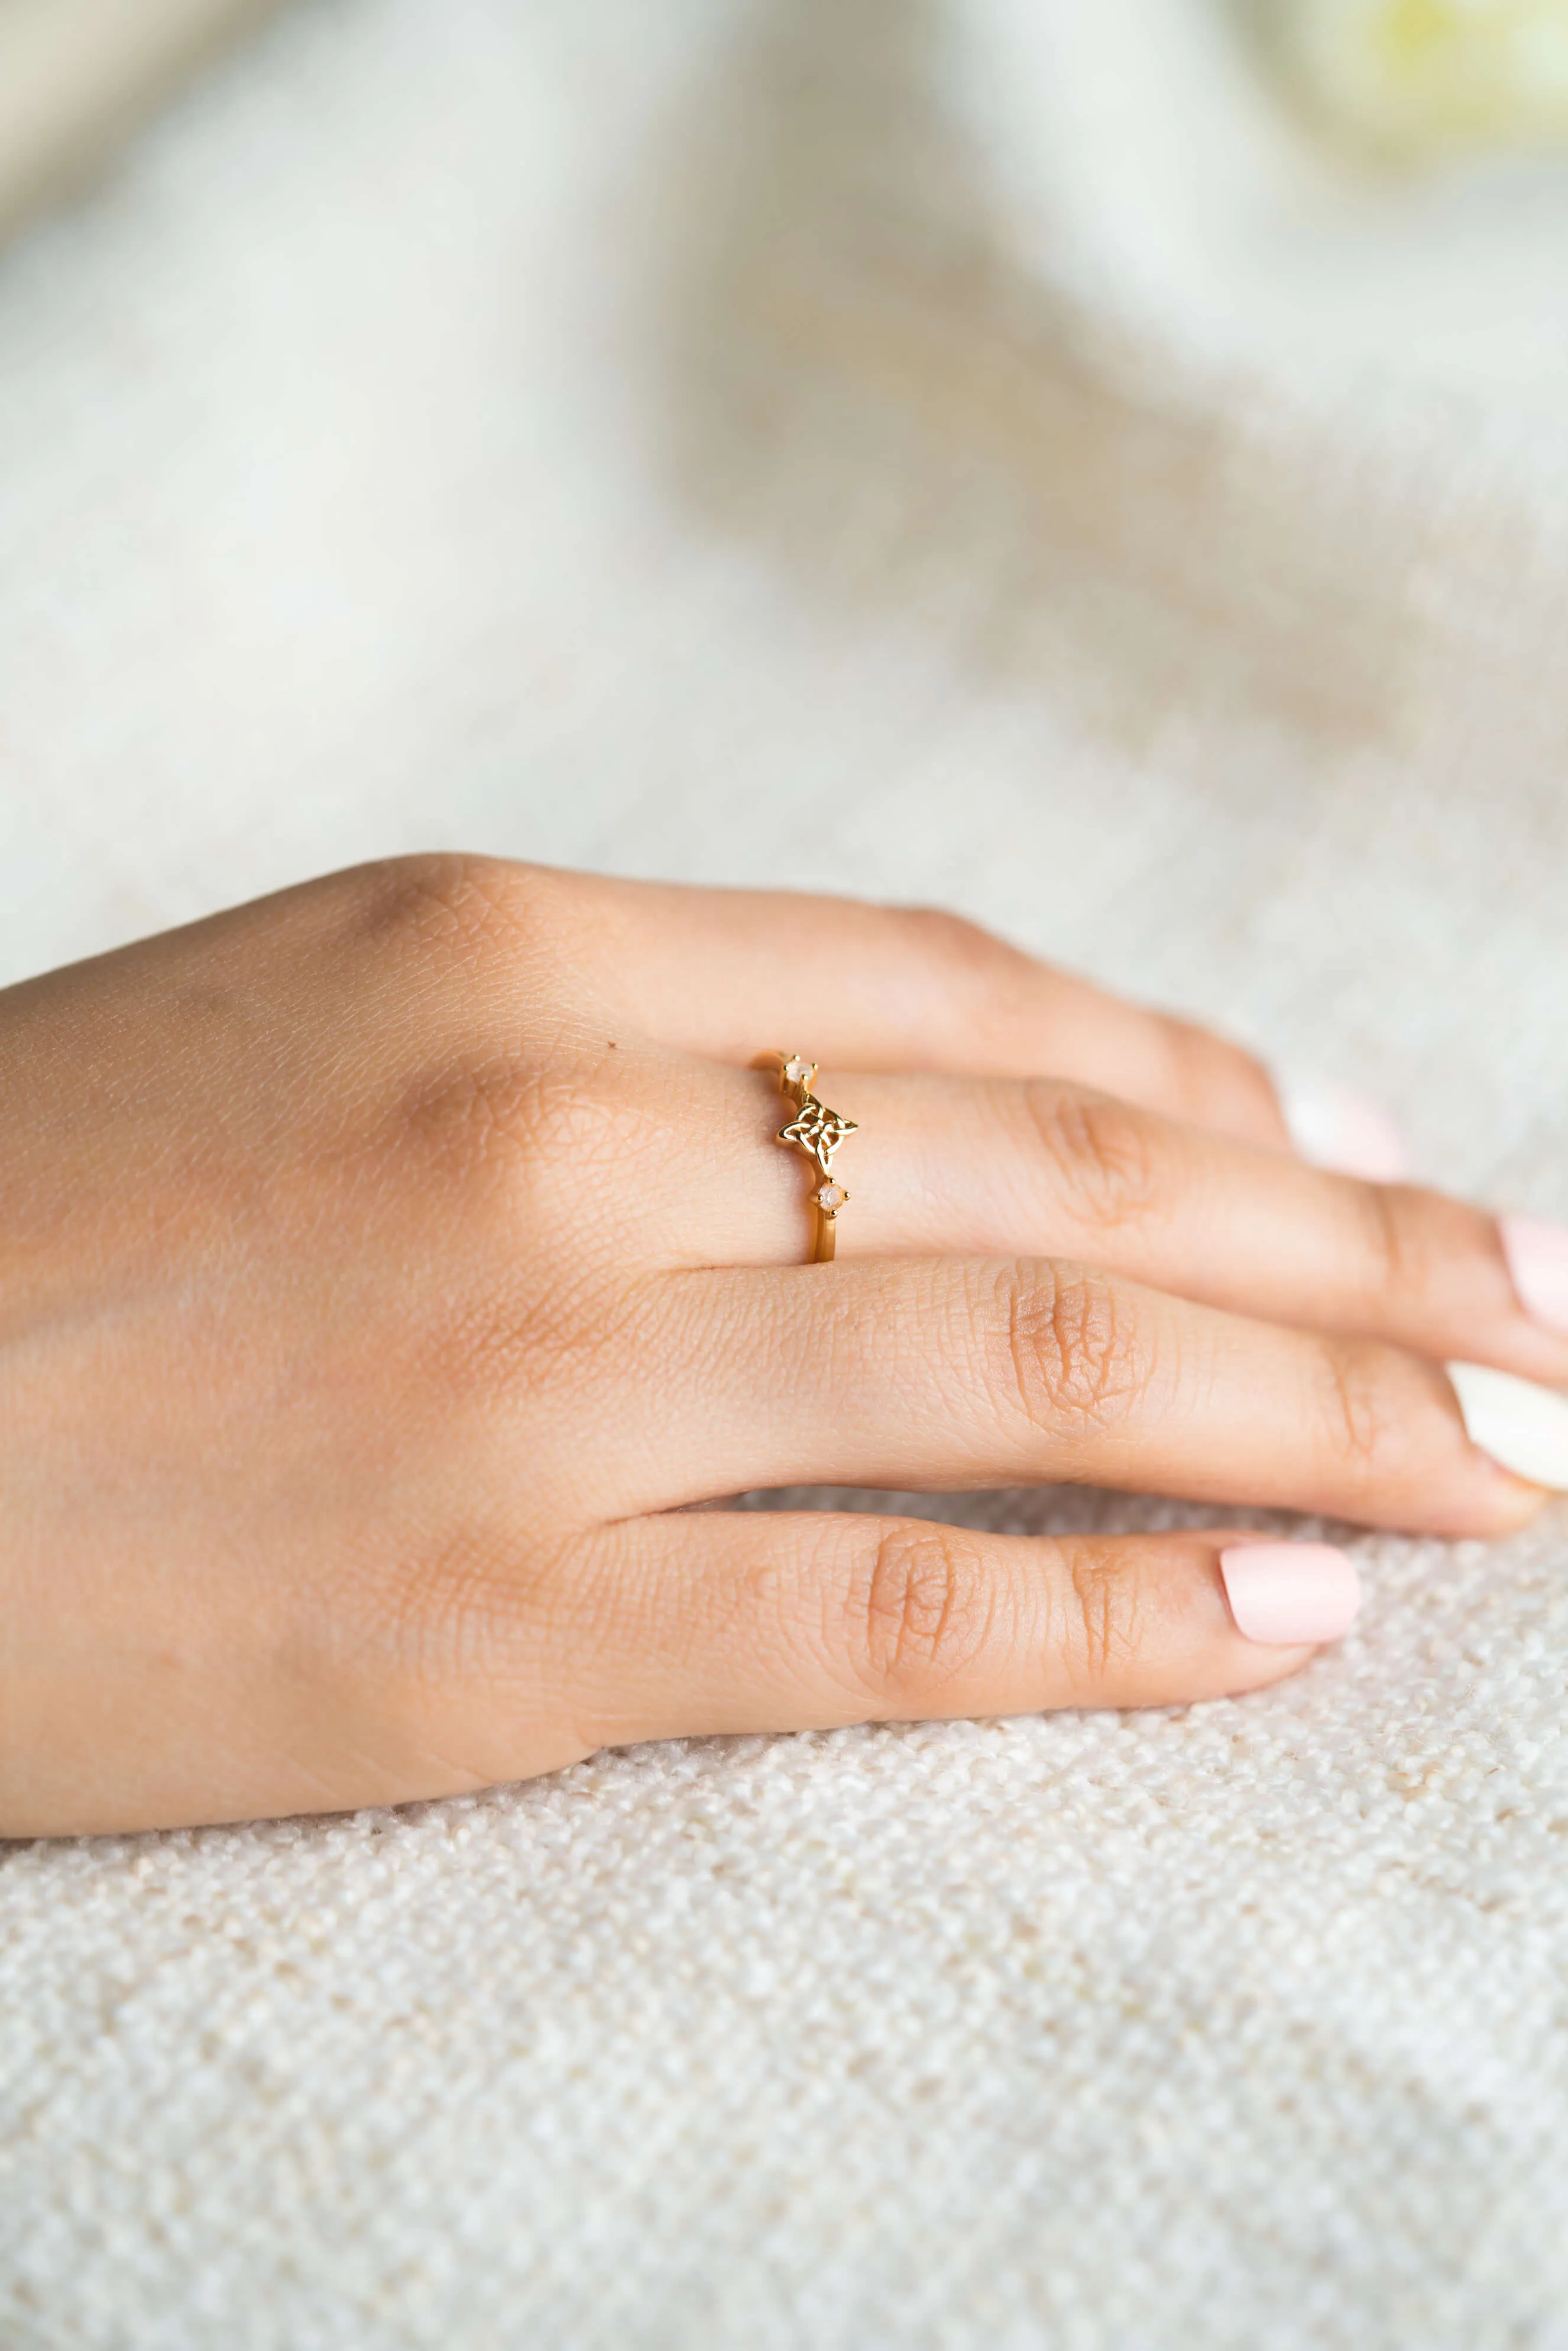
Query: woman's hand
[[384, 1266]]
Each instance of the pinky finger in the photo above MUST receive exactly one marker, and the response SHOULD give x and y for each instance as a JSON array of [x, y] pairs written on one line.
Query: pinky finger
[[749, 1621]]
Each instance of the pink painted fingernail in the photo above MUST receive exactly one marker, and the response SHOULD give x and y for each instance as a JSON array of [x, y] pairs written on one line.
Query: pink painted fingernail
[[1288, 1594], [1537, 1256], [1335, 1128]]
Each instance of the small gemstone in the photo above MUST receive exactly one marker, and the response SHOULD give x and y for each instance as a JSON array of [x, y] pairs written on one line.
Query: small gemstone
[[830, 1197], [797, 1071]]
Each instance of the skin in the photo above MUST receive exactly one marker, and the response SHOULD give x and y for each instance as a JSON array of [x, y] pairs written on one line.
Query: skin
[[386, 1264]]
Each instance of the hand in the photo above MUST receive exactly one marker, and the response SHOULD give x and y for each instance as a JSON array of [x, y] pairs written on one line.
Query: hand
[[382, 1266]]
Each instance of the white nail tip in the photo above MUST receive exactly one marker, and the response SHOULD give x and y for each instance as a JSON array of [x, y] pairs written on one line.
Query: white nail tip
[[1335, 1128], [1522, 1427]]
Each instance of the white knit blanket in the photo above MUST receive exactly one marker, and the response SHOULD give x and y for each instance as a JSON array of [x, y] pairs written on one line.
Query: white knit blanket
[[969, 450]]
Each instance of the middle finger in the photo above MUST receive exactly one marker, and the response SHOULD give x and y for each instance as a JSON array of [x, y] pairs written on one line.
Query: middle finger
[[947, 1167]]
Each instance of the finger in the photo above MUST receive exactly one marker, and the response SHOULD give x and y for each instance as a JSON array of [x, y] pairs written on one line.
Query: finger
[[747, 1621], [729, 973], [1038, 1168], [956, 1372]]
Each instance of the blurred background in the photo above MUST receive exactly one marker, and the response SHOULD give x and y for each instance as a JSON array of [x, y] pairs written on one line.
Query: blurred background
[[1066, 459], [1099, 463]]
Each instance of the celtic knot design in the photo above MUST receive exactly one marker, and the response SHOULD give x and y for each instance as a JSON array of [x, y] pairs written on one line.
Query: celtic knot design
[[818, 1131]]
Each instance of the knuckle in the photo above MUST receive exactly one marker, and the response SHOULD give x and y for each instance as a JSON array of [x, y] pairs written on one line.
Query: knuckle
[[1103, 1154], [924, 1611], [475, 1104], [1068, 1350], [1102, 1618], [1366, 1421], [1221, 1081], [463, 914], [437, 890], [937, 931], [497, 1067], [973, 964], [1393, 1253], [539, 1148], [470, 1658], [478, 1601], [485, 1132], [442, 1603]]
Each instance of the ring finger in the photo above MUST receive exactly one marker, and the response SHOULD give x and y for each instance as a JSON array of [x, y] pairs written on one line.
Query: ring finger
[[1043, 1168]]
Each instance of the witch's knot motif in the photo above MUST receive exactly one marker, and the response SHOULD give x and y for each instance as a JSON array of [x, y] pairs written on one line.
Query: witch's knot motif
[[817, 1129]]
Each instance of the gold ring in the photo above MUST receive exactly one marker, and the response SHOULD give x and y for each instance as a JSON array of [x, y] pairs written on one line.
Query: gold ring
[[817, 1132]]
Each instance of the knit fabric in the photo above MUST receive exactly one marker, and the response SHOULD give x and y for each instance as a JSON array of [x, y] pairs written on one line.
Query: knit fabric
[[955, 452]]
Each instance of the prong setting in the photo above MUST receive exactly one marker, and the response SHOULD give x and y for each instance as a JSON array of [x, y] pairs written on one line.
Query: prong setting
[[816, 1132]]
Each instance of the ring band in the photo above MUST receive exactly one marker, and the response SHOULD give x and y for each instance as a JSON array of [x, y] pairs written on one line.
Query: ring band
[[817, 1132]]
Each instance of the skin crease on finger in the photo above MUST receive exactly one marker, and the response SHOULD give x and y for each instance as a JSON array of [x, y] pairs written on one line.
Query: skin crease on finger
[[348, 1305], [991, 1168], [957, 1373]]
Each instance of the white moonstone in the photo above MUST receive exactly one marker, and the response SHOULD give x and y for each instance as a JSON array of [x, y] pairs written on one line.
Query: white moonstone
[[797, 1071], [830, 1197]]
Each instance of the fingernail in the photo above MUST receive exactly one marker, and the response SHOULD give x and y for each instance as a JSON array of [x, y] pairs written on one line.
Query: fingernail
[[1335, 1128], [1290, 1594], [1524, 1427], [1537, 1258]]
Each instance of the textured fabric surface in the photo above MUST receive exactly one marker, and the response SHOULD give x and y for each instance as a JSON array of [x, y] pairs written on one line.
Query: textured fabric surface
[[961, 452]]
